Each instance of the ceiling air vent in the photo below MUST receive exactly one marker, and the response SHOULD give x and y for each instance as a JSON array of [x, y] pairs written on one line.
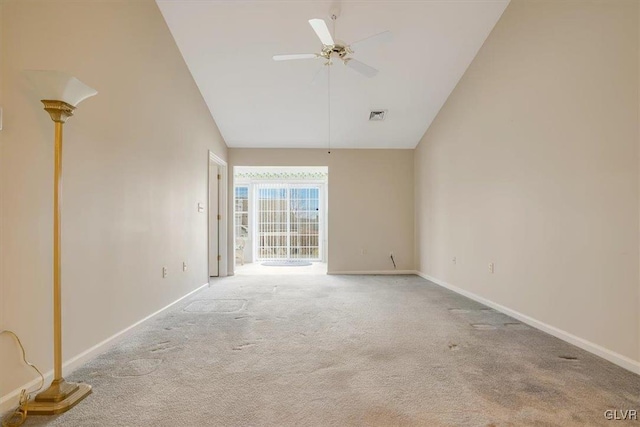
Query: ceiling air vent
[[377, 115]]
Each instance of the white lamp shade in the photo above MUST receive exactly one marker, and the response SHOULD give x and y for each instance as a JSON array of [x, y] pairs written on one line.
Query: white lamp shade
[[58, 86]]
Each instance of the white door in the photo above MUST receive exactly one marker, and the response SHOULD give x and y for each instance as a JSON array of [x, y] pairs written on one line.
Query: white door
[[214, 219]]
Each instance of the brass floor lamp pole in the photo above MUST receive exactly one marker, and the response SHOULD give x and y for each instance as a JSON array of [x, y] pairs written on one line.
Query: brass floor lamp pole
[[61, 395]]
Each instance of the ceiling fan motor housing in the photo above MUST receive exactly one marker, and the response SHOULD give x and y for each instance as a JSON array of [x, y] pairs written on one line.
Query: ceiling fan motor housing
[[338, 50]]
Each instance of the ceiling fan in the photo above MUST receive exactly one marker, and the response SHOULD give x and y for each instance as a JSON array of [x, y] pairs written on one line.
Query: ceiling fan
[[336, 49]]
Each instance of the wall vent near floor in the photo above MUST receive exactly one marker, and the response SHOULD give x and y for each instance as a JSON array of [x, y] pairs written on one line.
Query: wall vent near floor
[[377, 115]]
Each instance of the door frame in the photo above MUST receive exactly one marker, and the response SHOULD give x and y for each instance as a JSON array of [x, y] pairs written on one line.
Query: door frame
[[215, 162]]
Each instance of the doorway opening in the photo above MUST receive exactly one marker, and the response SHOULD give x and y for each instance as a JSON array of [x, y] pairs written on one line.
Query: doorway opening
[[280, 220]]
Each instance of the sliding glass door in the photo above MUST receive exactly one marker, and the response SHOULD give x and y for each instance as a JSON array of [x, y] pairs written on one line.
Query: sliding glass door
[[288, 222]]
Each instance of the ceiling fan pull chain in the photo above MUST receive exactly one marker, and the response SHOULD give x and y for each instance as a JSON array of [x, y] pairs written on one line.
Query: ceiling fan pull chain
[[329, 105]]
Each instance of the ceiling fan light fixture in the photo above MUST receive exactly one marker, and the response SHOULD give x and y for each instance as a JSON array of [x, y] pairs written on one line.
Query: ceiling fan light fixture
[[377, 115]]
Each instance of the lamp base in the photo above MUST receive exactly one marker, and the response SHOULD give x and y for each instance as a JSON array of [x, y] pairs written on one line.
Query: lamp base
[[58, 398]]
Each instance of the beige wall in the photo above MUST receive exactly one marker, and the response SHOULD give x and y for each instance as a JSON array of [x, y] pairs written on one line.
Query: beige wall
[[135, 167], [370, 202], [2, 321], [533, 164], [1, 192]]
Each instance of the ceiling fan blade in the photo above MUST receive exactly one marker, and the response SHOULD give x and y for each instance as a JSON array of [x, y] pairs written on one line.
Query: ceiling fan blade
[[319, 74], [360, 67], [383, 37], [322, 31], [295, 56]]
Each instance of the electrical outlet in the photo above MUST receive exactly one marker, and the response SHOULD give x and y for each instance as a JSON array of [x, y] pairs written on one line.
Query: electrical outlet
[[165, 272], [455, 261], [491, 267], [184, 266]]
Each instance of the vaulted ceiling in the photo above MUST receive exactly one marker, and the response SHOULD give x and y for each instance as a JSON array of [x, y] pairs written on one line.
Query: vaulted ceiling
[[257, 102]]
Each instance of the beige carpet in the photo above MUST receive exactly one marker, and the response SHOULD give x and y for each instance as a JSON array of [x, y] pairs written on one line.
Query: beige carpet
[[344, 351]]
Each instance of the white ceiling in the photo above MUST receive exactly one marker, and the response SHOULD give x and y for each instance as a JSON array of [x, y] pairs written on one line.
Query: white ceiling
[[258, 102]]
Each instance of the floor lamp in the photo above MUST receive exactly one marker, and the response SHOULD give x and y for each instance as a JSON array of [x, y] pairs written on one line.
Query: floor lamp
[[60, 93]]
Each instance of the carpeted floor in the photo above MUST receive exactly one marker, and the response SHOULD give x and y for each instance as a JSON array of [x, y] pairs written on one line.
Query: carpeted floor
[[344, 351]]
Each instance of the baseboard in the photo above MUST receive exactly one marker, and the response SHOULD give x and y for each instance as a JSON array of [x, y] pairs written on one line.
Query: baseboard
[[611, 356], [374, 272], [10, 400]]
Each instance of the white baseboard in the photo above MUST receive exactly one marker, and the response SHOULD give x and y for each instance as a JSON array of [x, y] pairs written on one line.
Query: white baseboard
[[611, 356], [10, 400], [374, 272]]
